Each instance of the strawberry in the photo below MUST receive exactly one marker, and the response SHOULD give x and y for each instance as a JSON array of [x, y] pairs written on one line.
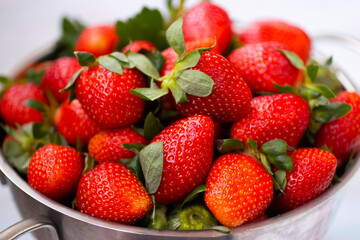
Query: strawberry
[[207, 21], [58, 75], [312, 174], [280, 116], [106, 98], [106, 146], [238, 189], [278, 31], [262, 64], [188, 153], [72, 122], [55, 171], [111, 191], [98, 40], [342, 136], [138, 45], [12, 108]]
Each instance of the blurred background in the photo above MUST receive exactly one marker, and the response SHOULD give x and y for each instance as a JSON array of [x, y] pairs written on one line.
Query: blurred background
[[28, 26]]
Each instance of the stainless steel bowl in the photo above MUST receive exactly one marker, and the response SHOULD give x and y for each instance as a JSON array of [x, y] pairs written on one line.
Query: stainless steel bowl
[[53, 220]]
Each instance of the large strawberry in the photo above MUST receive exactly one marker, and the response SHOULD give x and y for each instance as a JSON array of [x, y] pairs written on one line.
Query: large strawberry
[[12, 106], [262, 64], [55, 171], [312, 174], [342, 135], [238, 189], [58, 75], [280, 116], [188, 153], [107, 145], [112, 192], [278, 31]]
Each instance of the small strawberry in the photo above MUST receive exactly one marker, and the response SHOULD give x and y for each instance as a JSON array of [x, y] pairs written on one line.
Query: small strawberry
[[342, 136], [12, 108], [278, 31], [111, 191], [98, 40], [238, 189], [58, 75], [106, 146], [72, 122], [280, 116], [188, 153], [138, 45], [312, 174], [55, 171], [262, 64]]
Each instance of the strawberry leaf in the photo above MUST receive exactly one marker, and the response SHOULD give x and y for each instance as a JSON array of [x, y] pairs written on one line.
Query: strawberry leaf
[[143, 64], [188, 61], [72, 81], [178, 93], [135, 166], [194, 193], [196, 83], [229, 145], [157, 59], [5, 81], [152, 126], [320, 89], [120, 56], [110, 63], [135, 147], [89, 163], [280, 180], [175, 37], [11, 148], [85, 59], [149, 94], [158, 216], [70, 33], [330, 112], [329, 61], [274, 147], [34, 76], [35, 104], [40, 130], [252, 144], [312, 71], [294, 59], [283, 162], [286, 89], [325, 148], [266, 164]]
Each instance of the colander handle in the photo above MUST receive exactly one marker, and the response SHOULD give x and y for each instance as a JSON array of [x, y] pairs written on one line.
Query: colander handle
[[29, 225], [346, 41]]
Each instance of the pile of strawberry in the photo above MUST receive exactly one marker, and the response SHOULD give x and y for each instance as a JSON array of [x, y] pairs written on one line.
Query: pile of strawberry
[[190, 126]]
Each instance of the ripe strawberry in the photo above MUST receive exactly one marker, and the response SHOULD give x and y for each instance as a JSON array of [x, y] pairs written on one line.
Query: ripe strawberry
[[112, 192], [206, 21], [230, 98], [106, 146], [278, 31], [106, 98], [238, 189], [262, 64], [280, 116], [136, 46], [55, 171], [12, 108], [188, 153], [342, 135], [312, 174], [72, 121], [98, 40], [58, 75]]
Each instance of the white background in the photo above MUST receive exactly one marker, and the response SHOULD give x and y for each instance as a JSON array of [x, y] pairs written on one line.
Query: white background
[[26, 26]]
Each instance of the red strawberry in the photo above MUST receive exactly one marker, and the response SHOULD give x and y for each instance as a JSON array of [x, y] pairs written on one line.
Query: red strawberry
[[312, 174], [12, 108], [238, 189], [206, 21], [262, 64], [280, 116], [342, 135], [98, 40], [112, 192], [106, 146], [230, 98], [188, 153], [72, 121], [136, 46], [58, 75], [278, 31], [55, 171], [106, 98]]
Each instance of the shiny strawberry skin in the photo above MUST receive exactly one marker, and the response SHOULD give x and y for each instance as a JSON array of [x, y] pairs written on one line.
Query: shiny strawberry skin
[[280, 116], [112, 192], [14, 111], [312, 174], [138, 45], [58, 75], [106, 98], [230, 98], [342, 136], [55, 171], [262, 64], [238, 189], [98, 40], [72, 121], [107, 145], [206, 21], [278, 31], [188, 154]]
